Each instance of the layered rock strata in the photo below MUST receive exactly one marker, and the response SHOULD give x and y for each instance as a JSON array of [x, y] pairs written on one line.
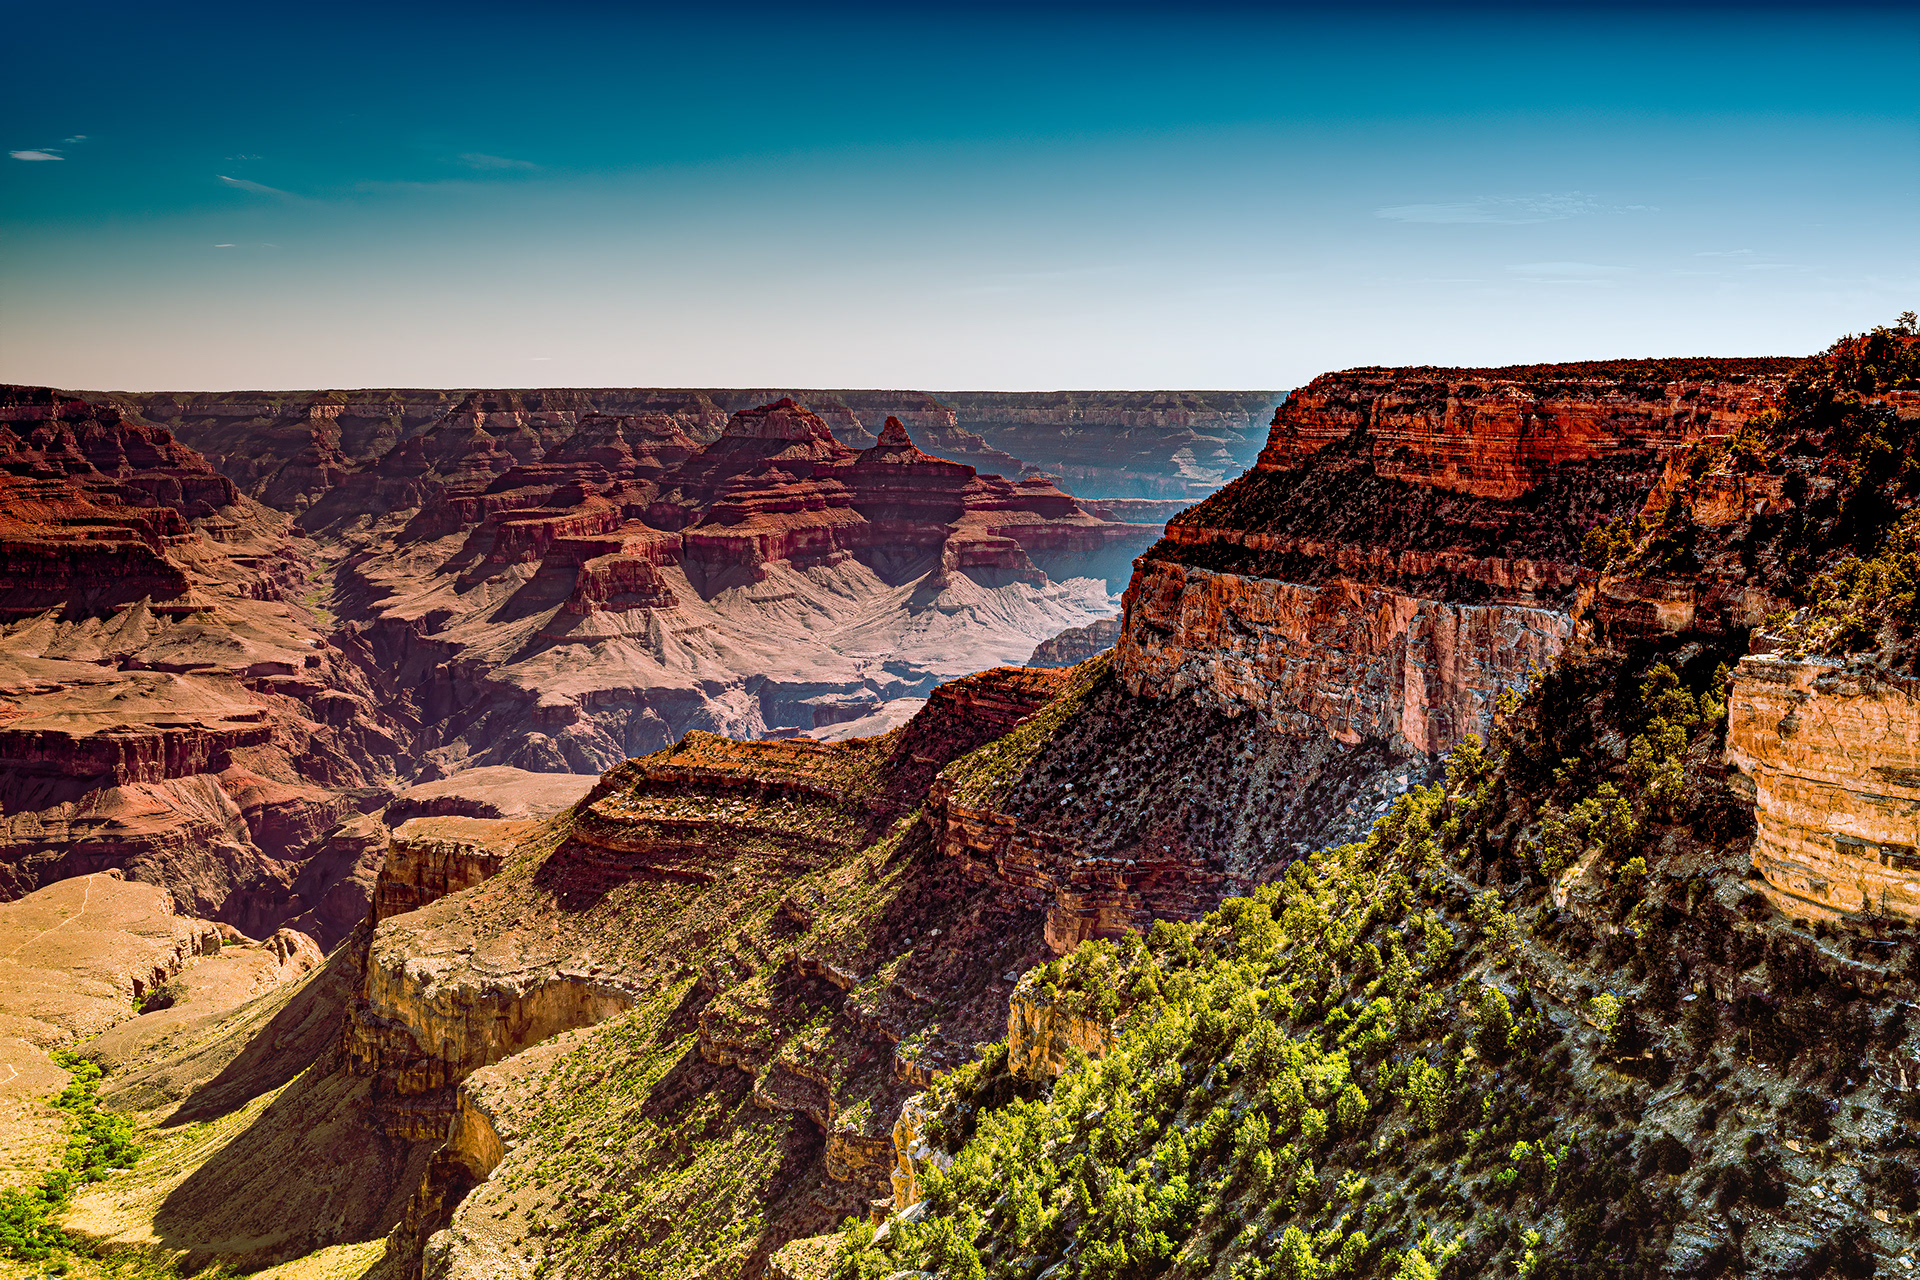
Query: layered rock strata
[[429, 858], [1409, 544], [1831, 759], [291, 449], [167, 706], [1083, 893], [1076, 644], [628, 586]]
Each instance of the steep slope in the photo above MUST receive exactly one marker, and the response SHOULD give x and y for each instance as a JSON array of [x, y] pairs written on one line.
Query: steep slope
[[730, 962], [1546, 1019]]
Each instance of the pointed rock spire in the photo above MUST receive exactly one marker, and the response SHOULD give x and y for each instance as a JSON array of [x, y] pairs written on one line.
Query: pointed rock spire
[[894, 436]]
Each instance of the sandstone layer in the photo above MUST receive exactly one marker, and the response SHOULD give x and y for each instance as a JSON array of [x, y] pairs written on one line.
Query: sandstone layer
[[1831, 757], [1076, 644]]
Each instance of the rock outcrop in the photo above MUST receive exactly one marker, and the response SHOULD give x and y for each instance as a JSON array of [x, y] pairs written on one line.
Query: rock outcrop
[[167, 707], [1409, 544], [1076, 644], [429, 858], [1044, 1031], [1831, 759]]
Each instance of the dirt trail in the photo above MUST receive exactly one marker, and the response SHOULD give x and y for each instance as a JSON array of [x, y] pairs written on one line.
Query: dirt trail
[[86, 896]]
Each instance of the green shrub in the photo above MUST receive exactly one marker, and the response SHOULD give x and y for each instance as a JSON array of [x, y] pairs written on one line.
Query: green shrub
[[98, 1141]]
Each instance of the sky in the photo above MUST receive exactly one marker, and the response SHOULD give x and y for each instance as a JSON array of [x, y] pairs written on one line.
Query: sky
[[947, 197]]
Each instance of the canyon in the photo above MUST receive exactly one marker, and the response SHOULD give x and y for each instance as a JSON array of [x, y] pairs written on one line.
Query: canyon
[[232, 685], [628, 982]]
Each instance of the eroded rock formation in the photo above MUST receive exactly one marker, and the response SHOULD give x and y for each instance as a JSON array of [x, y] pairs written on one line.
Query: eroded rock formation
[[1831, 758], [1409, 544], [597, 603], [197, 732]]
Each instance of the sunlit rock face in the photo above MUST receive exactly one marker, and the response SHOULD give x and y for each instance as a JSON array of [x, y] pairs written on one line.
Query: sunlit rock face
[[1499, 437], [168, 709], [1408, 545], [1832, 758], [1347, 658]]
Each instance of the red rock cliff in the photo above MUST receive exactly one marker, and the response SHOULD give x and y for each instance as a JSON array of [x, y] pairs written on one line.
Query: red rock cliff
[[1408, 545]]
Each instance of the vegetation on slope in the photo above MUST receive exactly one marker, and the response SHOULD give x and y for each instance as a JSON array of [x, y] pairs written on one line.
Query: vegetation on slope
[[98, 1142], [1832, 478], [1402, 1059]]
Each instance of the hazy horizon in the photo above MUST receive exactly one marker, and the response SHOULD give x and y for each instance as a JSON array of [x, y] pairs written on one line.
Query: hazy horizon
[[1010, 199]]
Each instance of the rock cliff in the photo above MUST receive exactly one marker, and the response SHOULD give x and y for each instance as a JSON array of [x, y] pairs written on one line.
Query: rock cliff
[[1408, 546], [1831, 758], [1077, 644]]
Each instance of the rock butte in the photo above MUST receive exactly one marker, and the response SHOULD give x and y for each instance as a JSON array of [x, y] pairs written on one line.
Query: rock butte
[[632, 585]]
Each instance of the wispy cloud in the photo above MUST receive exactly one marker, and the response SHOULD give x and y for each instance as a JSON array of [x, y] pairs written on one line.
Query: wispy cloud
[[38, 153], [481, 160], [223, 246], [78, 137], [1512, 211], [1723, 253], [259, 188]]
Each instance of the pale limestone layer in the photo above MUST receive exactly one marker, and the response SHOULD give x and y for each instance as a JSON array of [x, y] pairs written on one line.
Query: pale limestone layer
[[912, 1153], [434, 1013], [1833, 758], [429, 858], [1349, 659], [1042, 1035]]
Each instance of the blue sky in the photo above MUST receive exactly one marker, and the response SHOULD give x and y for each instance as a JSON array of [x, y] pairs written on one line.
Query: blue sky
[[948, 197]]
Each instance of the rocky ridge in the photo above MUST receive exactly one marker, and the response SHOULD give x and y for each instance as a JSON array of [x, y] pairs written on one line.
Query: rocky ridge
[[167, 706]]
